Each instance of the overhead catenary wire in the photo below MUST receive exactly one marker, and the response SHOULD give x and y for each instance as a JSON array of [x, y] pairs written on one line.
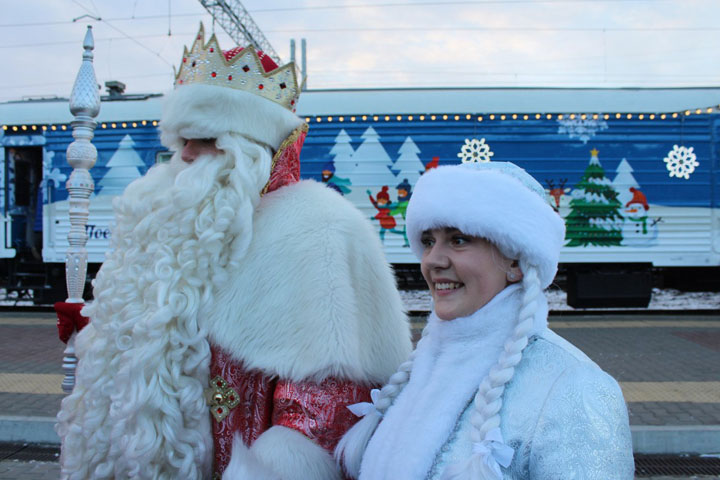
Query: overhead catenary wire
[[655, 62], [442, 4], [414, 4], [484, 29], [97, 40], [474, 28], [126, 35]]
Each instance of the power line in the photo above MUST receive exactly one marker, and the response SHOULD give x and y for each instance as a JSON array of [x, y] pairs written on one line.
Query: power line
[[346, 7], [113, 19], [439, 4], [70, 82], [492, 29], [126, 35], [484, 73], [388, 29], [423, 28], [97, 40]]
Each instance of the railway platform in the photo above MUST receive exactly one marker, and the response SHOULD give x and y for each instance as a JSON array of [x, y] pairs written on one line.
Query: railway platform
[[668, 366]]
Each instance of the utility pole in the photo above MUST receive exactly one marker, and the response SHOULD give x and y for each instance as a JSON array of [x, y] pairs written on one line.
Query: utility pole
[[237, 22]]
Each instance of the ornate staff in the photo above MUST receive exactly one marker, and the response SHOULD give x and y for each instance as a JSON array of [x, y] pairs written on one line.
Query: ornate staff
[[81, 155]]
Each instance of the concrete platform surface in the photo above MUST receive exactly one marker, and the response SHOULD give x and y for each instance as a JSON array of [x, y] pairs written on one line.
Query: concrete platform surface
[[668, 367], [15, 470]]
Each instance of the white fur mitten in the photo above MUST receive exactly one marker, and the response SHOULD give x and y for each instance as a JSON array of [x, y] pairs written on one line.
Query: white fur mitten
[[245, 465]]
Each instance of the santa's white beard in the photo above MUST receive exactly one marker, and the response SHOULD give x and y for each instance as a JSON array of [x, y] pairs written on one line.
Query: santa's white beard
[[138, 408]]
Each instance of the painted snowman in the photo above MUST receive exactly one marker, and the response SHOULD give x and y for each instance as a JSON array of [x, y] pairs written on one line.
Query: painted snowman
[[639, 230]]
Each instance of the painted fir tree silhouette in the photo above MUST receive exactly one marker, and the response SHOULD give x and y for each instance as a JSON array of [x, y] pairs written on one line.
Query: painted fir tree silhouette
[[594, 217]]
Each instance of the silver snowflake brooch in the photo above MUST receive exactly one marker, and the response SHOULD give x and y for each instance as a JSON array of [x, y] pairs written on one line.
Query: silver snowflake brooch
[[475, 151], [681, 162]]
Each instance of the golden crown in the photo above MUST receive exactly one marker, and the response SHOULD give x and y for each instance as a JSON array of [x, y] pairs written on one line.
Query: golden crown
[[206, 64]]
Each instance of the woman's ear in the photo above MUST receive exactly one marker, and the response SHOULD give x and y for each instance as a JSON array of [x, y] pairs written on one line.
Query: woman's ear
[[514, 274]]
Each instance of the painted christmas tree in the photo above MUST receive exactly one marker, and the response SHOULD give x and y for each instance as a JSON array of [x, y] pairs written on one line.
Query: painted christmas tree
[[594, 217], [342, 153], [124, 167], [408, 164], [373, 162], [624, 181]]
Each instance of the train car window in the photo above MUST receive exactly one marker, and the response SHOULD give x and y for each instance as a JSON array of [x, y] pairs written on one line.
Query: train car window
[[26, 168], [24, 178], [163, 157]]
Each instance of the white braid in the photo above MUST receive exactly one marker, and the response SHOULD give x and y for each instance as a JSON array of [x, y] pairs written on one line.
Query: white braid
[[351, 448], [488, 399]]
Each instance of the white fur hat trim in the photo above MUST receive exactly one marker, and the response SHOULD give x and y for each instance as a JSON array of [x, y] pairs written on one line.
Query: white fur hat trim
[[497, 201], [208, 111]]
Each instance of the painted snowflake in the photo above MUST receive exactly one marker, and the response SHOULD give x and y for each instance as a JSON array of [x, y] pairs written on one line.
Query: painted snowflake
[[582, 129], [475, 151], [681, 162]]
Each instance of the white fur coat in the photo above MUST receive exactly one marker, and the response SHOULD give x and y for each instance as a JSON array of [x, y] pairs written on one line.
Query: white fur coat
[[562, 415], [451, 361], [314, 297]]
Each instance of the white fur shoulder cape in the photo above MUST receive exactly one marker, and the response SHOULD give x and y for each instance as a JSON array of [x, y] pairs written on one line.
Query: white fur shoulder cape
[[314, 295]]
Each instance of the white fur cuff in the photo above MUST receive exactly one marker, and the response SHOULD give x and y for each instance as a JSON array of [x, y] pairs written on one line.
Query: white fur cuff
[[244, 465], [293, 456]]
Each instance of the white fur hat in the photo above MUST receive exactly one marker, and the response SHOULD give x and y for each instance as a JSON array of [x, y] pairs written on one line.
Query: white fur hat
[[207, 111], [498, 201]]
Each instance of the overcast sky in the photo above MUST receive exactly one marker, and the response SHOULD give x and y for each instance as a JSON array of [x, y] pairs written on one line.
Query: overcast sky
[[376, 43]]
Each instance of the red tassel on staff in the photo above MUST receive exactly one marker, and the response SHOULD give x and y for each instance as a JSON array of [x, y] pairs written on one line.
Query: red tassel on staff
[[69, 319]]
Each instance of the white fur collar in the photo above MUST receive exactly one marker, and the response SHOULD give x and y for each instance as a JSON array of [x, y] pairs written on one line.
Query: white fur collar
[[450, 363], [314, 295]]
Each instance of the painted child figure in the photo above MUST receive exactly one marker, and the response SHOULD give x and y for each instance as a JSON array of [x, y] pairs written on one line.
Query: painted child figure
[[404, 192], [490, 392], [383, 206]]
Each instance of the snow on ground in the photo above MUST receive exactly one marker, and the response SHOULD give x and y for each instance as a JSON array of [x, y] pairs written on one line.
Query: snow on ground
[[13, 299], [662, 299]]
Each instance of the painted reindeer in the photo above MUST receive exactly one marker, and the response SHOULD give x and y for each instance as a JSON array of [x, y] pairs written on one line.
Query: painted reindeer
[[557, 192]]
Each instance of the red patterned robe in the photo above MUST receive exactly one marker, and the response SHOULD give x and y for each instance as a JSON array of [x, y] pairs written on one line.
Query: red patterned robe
[[317, 410], [293, 350]]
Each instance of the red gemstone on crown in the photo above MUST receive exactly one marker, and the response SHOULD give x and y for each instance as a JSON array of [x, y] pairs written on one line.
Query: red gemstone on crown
[[282, 85], [213, 74], [261, 86], [212, 50], [229, 77], [246, 68], [184, 59]]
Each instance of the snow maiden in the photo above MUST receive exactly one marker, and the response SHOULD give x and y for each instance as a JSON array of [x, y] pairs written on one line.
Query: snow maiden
[[490, 392]]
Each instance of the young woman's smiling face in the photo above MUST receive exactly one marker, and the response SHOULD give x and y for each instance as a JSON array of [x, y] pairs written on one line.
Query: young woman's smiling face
[[463, 272]]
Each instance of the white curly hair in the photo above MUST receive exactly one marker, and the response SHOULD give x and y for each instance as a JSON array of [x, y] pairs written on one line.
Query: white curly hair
[[138, 410]]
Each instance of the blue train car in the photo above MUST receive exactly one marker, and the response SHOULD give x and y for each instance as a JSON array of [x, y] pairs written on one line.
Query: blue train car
[[634, 173]]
